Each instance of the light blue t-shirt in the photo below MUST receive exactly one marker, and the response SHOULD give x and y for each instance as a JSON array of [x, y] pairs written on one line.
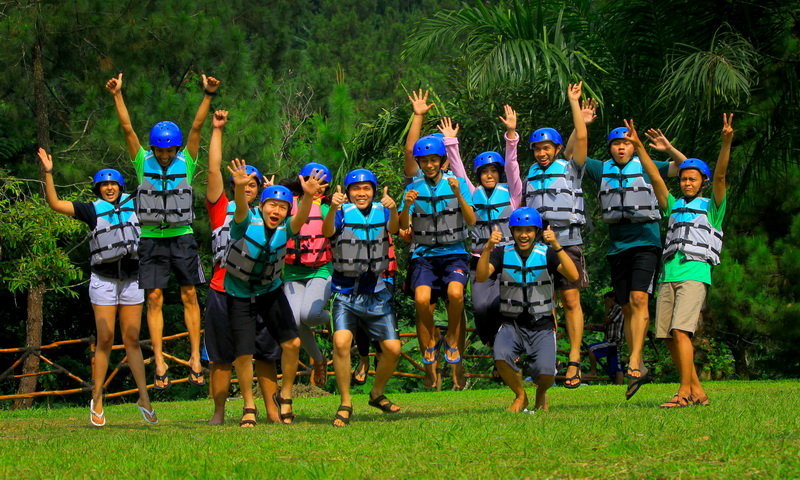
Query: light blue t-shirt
[[241, 288]]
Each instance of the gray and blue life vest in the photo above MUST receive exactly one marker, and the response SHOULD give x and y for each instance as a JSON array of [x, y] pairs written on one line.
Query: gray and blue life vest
[[556, 193], [689, 231], [492, 210], [526, 285], [117, 231], [362, 245], [624, 194], [257, 257], [165, 196], [437, 218], [221, 236]]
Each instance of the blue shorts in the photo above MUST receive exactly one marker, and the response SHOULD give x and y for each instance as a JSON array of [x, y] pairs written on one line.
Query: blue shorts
[[609, 352], [372, 311], [438, 272]]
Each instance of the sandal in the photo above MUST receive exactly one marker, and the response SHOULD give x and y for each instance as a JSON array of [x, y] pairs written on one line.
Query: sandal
[[676, 402], [452, 351], [344, 420], [354, 377], [101, 415], [279, 401], [319, 374], [702, 401], [383, 404], [248, 411], [164, 379], [433, 350], [574, 377], [637, 382], [193, 376], [148, 415]]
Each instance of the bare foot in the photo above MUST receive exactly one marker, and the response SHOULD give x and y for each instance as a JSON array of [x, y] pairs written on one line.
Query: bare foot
[[541, 402], [457, 374], [431, 376], [217, 419], [519, 404]]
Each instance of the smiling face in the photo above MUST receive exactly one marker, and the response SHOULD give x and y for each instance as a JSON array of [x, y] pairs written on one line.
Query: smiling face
[[108, 191], [524, 237], [165, 155], [431, 166], [489, 175], [361, 194], [274, 212], [691, 181], [545, 152], [621, 150]]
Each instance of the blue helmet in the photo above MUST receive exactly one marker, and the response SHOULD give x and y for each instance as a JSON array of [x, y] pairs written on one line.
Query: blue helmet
[[546, 135], [309, 168], [525, 217], [107, 175], [697, 164], [166, 134], [486, 158], [430, 145], [360, 175], [277, 192], [617, 134], [249, 169]]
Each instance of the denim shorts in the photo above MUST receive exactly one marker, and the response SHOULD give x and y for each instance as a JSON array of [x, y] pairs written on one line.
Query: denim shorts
[[372, 311]]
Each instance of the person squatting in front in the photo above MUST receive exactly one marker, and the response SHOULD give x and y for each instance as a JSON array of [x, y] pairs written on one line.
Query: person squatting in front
[[218, 337], [360, 229], [525, 271], [254, 262], [113, 286]]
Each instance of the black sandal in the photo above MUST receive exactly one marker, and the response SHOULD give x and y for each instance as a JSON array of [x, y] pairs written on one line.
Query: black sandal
[[382, 403], [574, 377], [276, 397], [247, 411], [344, 420], [637, 382]]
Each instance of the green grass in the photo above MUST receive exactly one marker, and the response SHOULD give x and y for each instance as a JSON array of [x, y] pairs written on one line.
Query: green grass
[[751, 430]]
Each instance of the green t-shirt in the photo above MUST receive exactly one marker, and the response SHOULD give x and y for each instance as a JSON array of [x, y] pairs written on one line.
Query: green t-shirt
[[678, 269], [154, 231], [628, 235]]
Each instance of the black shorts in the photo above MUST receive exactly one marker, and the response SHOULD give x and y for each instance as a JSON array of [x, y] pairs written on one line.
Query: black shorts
[[260, 319], [574, 252], [634, 270], [159, 256], [218, 337]]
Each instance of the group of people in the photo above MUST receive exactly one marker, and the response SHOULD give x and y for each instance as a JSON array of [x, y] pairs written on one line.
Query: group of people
[[281, 250]]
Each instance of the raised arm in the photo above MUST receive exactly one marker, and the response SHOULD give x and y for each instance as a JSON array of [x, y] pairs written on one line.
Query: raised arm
[[659, 185], [310, 188], [513, 177], [581, 145], [419, 101], [215, 183], [210, 86], [240, 180], [450, 133], [589, 115], [485, 269], [394, 218], [337, 200], [114, 87], [659, 142], [60, 206], [720, 171]]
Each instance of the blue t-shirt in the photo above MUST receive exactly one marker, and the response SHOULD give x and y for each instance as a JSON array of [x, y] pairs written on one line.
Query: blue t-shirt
[[241, 288], [367, 282]]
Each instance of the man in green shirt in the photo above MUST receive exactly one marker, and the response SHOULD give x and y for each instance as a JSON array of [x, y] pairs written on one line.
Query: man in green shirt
[[164, 209]]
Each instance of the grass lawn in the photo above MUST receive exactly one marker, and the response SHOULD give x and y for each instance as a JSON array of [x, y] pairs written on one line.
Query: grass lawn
[[751, 430]]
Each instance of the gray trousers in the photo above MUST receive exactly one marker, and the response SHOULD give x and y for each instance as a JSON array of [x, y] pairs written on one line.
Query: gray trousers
[[308, 299]]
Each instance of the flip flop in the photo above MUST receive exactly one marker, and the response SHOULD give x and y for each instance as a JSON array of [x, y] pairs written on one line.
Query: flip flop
[[637, 382], [451, 350], [164, 379], [193, 376], [344, 420], [434, 350], [574, 377], [676, 402], [148, 415], [101, 415], [356, 381], [383, 404]]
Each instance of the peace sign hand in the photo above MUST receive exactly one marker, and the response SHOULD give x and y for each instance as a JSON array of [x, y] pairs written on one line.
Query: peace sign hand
[[727, 126]]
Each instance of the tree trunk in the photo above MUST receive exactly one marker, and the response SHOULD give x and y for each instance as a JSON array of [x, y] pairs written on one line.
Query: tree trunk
[[33, 339]]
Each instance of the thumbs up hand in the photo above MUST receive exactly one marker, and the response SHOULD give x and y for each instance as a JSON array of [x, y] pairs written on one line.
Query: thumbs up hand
[[495, 238], [550, 237], [338, 198], [387, 201]]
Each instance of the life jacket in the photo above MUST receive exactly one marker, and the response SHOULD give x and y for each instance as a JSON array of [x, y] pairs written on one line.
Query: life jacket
[[525, 286], [690, 232], [391, 269], [117, 231], [490, 211], [362, 245], [624, 194], [221, 236], [253, 251], [556, 193], [165, 196], [309, 247], [437, 218]]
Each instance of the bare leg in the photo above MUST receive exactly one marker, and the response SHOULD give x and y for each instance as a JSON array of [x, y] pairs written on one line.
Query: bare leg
[[155, 323], [268, 383], [457, 369], [690, 384], [244, 372], [455, 308], [571, 299], [342, 339], [425, 330], [220, 386], [289, 358], [639, 320], [191, 317], [513, 379], [390, 354], [105, 317], [543, 382], [130, 321]]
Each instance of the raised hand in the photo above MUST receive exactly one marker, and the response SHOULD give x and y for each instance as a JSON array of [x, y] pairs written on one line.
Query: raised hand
[[46, 160], [510, 119], [631, 134], [239, 172], [495, 238], [338, 198], [311, 186], [387, 201], [658, 140], [574, 91], [220, 119], [114, 85], [210, 84], [419, 101], [446, 127], [727, 127], [411, 197], [589, 110], [549, 236]]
